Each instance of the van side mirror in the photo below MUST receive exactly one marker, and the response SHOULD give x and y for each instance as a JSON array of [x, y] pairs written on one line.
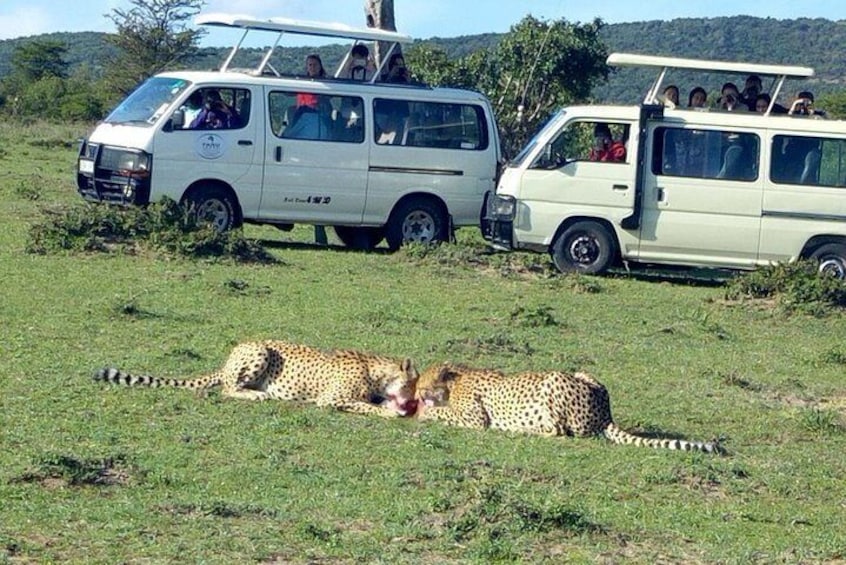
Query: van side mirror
[[177, 120]]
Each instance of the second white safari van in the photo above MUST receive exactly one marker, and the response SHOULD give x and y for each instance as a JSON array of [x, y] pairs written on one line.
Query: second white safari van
[[375, 160], [678, 186]]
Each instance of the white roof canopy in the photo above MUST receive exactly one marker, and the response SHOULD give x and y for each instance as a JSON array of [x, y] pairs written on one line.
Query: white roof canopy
[[780, 72], [282, 26], [302, 27], [634, 60]]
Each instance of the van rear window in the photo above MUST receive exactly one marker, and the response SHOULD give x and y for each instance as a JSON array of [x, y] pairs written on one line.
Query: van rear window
[[808, 160], [429, 124]]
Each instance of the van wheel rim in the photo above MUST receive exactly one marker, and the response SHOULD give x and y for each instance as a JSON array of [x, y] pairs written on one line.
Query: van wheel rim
[[418, 226], [833, 266], [584, 250], [215, 212]]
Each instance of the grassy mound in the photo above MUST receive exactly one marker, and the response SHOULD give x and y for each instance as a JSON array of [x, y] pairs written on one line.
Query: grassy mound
[[164, 227]]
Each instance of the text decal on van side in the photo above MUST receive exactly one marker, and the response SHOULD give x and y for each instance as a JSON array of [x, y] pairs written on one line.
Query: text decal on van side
[[209, 146], [309, 200]]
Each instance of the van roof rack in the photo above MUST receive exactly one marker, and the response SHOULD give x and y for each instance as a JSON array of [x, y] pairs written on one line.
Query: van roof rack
[[281, 26], [780, 72]]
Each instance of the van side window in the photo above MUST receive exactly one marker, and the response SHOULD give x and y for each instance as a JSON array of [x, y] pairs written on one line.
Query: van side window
[[705, 154], [571, 143], [586, 141], [217, 108], [808, 160], [239, 100], [429, 124], [316, 117]]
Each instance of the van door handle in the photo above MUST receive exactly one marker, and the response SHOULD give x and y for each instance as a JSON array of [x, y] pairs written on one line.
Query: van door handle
[[659, 194], [244, 142], [619, 187], [278, 154]]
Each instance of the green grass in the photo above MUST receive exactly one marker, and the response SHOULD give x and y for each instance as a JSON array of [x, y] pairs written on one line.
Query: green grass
[[96, 474]]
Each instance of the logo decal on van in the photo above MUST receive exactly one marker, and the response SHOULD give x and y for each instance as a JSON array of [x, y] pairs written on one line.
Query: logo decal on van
[[209, 146]]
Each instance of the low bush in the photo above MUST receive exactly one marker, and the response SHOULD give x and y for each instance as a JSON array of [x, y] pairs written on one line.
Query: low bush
[[164, 227], [794, 286]]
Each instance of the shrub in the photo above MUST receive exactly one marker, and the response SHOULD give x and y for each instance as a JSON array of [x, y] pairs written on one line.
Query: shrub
[[164, 227], [794, 286]]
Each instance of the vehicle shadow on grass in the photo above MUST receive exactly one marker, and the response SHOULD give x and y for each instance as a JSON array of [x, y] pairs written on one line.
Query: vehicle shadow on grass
[[310, 245], [677, 275], [688, 276]]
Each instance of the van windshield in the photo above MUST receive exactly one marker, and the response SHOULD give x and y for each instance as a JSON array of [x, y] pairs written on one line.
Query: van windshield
[[148, 102], [552, 123]]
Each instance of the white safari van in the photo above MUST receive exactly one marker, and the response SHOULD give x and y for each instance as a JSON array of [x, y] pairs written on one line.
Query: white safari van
[[403, 162], [692, 187]]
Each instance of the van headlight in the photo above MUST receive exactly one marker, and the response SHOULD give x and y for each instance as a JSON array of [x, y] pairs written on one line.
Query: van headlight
[[125, 163], [504, 206], [133, 162]]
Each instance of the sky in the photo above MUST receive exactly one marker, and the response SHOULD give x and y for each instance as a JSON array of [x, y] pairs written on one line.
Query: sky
[[421, 19]]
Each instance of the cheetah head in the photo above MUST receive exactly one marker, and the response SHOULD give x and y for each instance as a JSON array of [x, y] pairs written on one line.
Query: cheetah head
[[398, 382], [434, 384]]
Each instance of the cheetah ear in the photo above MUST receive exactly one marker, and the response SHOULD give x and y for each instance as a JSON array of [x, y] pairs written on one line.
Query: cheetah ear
[[407, 367], [446, 374]]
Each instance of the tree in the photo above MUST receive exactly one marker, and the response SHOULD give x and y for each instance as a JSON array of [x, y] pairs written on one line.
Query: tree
[[380, 14], [833, 104], [36, 83], [537, 67], [40, 59], [152, 37], [84, 98]]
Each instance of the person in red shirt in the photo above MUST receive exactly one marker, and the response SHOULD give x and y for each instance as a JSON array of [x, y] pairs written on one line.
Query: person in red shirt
[[314, 69], [605, 148]]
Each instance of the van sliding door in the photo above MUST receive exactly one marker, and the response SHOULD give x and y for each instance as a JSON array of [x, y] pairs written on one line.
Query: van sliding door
[[702, 198], [316, 158]]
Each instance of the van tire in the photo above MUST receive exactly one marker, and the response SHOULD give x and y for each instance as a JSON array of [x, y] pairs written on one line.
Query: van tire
[[584, 247], [832, 259], [363, 239], [416, 220], [215, 205]]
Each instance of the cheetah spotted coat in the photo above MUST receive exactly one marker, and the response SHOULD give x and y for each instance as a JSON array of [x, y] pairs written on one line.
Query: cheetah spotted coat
[[549, 403], [347, 380]]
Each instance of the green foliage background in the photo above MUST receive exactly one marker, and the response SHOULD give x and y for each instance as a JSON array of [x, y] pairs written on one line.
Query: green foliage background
[[810, 42]]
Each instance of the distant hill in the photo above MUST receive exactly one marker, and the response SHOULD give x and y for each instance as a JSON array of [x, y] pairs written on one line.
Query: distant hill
[[817, 43], [84, 47]]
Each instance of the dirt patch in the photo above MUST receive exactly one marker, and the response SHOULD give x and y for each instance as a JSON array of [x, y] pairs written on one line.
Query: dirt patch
[[836, 403], [64, 471]]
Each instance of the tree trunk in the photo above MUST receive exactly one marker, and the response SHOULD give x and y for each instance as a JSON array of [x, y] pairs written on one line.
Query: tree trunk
[[380, 14]]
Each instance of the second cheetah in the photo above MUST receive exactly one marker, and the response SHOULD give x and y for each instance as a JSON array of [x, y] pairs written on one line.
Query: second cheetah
[[546, 403]]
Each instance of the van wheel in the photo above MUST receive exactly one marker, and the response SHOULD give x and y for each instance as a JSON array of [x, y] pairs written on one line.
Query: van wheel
[[584, 247], [416, 220], [364, 239], [832, 259], [214, 205]]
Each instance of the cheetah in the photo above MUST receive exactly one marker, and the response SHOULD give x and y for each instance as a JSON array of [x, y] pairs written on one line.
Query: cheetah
[[548, 403], [347, 380]]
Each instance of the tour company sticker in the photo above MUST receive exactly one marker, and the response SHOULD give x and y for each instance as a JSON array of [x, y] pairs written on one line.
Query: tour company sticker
[[209, 146]]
